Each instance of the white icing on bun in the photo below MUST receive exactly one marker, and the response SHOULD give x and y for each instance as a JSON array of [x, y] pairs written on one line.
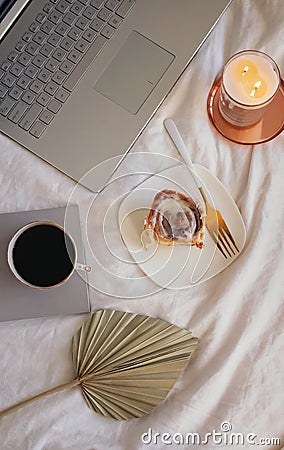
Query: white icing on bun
[[176, 218]]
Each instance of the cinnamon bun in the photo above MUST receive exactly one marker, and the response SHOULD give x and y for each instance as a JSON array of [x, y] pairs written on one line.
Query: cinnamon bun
[[175, 218]]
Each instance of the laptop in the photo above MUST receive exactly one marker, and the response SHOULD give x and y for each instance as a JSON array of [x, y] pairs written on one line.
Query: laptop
[[80, 79]]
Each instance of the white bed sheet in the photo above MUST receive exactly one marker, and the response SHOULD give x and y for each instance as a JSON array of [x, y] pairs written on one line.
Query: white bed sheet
[[236, 375]]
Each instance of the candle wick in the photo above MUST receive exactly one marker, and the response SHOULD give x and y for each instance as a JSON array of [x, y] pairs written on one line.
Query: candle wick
[[245, 71], [256, 86]]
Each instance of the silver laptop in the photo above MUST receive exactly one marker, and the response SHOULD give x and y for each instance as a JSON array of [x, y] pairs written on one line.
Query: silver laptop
[[80, 79]]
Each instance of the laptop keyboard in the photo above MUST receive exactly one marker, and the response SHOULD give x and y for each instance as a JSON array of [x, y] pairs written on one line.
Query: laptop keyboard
[[60, 43]]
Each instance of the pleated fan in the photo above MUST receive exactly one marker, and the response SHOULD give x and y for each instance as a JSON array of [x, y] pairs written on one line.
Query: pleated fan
[[125, 363]]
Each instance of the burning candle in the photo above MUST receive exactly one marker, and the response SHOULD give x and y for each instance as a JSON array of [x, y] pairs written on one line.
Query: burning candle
[[250, 79]]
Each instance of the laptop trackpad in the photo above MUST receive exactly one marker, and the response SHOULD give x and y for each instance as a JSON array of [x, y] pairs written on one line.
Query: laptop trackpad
[[134, 72]]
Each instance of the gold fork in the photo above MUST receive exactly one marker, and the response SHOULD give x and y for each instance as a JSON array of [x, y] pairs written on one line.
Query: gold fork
[[215, 223], [218, 229]]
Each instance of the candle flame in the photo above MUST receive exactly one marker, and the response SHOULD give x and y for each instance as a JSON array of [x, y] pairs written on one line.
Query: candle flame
[[255, 88], [246, 72]]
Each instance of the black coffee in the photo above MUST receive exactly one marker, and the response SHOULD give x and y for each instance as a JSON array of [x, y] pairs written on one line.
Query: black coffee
[[43, 255]]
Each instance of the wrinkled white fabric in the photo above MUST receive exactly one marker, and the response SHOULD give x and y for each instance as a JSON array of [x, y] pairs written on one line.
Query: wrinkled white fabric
[[236, 375]]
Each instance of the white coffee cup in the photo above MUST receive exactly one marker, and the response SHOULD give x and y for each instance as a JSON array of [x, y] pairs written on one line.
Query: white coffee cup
[[23, 241]]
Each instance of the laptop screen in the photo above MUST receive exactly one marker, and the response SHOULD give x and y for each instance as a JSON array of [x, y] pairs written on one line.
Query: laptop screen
[[5, 6]]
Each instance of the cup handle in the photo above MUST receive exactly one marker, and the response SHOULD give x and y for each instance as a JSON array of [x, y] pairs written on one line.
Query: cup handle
[[83, 267]]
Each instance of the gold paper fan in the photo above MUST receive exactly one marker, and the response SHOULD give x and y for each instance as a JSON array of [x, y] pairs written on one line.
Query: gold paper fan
[[125, 363]]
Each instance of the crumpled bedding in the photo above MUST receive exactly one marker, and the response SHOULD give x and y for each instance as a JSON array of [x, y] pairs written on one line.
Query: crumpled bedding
[[234, 380]]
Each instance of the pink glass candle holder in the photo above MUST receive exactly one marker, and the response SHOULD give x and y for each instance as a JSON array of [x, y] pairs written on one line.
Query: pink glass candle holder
[[246, 104]]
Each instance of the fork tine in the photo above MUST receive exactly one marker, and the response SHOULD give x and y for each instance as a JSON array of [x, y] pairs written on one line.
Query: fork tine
[[225, 227], [222, 245], [216, 241], [225, 237], [221, 250], [225, 244]]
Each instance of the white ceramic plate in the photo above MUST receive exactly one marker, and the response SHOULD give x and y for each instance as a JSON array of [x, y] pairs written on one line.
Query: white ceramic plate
[[178, 266]]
